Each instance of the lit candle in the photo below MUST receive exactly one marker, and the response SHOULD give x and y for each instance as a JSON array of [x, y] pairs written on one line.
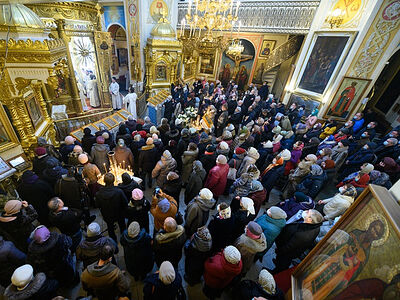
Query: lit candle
[[237, 8], [123, 164], [105, 168]]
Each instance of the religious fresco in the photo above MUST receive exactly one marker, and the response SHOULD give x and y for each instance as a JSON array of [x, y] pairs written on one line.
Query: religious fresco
[[322, 62], [238, 69], [266, 47], [354, 261], [114, 15]]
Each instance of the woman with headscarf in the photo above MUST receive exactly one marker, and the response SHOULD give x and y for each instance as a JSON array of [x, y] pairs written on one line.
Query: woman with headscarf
[[295, 155], [243, 215], [165, 165]]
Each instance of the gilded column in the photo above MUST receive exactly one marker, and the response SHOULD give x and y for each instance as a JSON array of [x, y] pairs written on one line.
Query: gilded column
[[74, 88]]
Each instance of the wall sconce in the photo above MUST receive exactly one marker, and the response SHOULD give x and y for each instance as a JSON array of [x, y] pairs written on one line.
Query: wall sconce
[[335, 18]]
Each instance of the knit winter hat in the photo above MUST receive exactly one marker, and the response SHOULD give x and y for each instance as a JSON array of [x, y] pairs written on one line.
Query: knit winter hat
[[224, 213], [301, 197], [276, 213], [154, 137], [267, 281], [41, 234], [69, 140], [133, 229], [172, 176], [285, 154], [268, 144], [164, 205], [166, 273], [149, 141], [239, 151], [22, 276], [232, 255], [83, 158], [93, 229], [252, 152], [105, 135], [39, 151], [77, 149], [223, 146], [367, 168], [221, 159], [170, 224], [137, 194], [255, 229], [12, 207], [206, 194], [311, 157], [248, 204], [100, 140]]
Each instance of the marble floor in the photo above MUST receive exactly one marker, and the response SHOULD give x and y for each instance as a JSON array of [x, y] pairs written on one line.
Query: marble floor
[[193, 292]]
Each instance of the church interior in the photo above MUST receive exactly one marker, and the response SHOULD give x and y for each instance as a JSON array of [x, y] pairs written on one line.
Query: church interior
[[73, 69]]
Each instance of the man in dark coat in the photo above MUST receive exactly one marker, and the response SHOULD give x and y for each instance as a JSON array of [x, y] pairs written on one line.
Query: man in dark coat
[[182, 147], [89, 249], [67, 220], [128, 185], [297, 236], [16, 223], [196, 181], [147, 161], [50, 253], [355, 161], [138, 254], [69, 189], [39, 163], [10, 259], [264, 91], [88, 140], [221, 227], [25, 285], [36, 192], [168, 243], [168, 108], [208, 160], [112, 203], [222, 120]]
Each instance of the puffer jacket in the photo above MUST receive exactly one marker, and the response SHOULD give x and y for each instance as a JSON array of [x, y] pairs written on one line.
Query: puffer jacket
[[312, 183], [99, 156], [271, 228], [218, 272], [89, 249], [168, 246], [147, 158], [10, 259], [248, 248], [188, 157], [216, 180], [336, 206], [165, 165], [197, 213], [195, 183]]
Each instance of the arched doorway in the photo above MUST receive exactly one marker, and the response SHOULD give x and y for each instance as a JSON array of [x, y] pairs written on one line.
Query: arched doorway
[[120, 58]]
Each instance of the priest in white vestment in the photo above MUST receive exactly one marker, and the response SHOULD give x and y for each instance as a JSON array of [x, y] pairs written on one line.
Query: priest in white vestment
[[115, 95], [93, 92], [130, 102]]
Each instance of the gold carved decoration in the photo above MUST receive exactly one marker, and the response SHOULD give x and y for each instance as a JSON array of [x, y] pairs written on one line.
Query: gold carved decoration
[[102, 41]]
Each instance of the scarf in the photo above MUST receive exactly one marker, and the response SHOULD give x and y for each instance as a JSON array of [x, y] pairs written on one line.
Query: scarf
[[279, 162]]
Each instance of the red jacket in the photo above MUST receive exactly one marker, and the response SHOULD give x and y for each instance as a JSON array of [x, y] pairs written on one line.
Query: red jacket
[[216, 179], [218, 273], [361, 183]]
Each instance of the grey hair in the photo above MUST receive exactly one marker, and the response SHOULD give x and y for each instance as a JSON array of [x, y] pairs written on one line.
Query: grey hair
[[54, 203], [316, 216]]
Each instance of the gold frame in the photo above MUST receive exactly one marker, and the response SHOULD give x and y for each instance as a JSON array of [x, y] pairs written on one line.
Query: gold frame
[[206, 75], [389, 208], [28, 98], [14, 142], [273, 42]]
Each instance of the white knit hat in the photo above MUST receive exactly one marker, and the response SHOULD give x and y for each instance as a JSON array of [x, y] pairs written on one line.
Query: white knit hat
[[285, 154], [223, 146], [93, 229], [83, 158], [221, 159], [248, 204], [22, 276], [232, 255], [206, 194], [267, 281], [167, 273]]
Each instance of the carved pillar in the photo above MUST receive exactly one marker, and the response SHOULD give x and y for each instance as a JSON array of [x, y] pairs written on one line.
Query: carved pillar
[[102, 41], [74, 88]]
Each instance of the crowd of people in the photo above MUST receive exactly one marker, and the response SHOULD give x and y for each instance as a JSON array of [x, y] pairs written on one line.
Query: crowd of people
[[49, 238]]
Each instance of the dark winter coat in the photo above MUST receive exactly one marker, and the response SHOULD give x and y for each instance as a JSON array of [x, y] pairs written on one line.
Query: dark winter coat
[[39, 164], [195, 256], [40, 288], [360, 157], [195, 184], [168, 246], [295, 238], [188, 157], [52, 175], [127, 188], [208, 161], [218, 272], [69, 190], [216, 179], [173, 188], [241, 220], [131, 125], [312, 184], [65, 150], [271, 177], [197, 213], [67, 221], [222, 232], [105, 282], [138, 253], [19, 230], [87, 142], [53, 257], [138, 210], [248, 290], [155, 289], [36, 192], [89, 249], [112, 203], [99, 156], [10, 259]]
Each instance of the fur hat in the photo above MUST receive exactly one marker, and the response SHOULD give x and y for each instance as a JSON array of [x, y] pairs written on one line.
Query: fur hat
[[166, 273], [39, 151], [133, 229], [137, 194], [276, 213], [267, 281], [93, 229], [69, 140], [22, 276], [149, 141], [83, 158], [232, 255], [285, 154], [221, 159], [248, 204], [206, 194]]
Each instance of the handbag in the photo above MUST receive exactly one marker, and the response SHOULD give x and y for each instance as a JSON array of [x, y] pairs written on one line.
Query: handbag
[[232, 172]]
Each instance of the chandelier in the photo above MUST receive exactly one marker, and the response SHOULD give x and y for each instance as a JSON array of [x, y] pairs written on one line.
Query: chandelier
[[210, 15], [235, 49]]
